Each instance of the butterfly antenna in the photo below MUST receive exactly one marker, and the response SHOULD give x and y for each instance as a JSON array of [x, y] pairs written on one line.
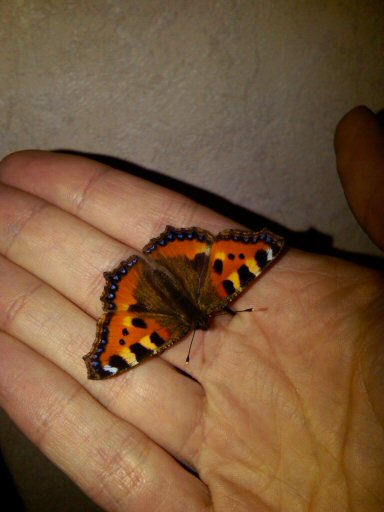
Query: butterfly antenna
[[190, 346]]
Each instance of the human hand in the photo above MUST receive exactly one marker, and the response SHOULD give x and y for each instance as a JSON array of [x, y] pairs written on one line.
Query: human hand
[[285, 408]]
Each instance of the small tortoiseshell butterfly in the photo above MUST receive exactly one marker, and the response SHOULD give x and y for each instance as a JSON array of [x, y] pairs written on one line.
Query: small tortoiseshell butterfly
[[186, 276]]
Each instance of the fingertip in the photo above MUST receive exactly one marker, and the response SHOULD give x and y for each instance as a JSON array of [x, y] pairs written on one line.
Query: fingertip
[[359, 147], [353, 121]]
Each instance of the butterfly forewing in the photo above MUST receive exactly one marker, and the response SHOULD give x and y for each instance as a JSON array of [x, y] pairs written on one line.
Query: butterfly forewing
[[237, 258], [125, 339]]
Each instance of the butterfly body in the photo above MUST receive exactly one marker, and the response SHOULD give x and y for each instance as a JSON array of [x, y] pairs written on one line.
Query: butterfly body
[[184, 277]]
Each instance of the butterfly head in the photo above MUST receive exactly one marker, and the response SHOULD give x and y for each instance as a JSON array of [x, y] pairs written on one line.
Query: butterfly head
[[202, 323]]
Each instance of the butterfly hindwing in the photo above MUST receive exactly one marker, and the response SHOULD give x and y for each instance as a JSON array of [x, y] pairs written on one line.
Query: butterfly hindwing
[[122, 284], [137, 286], [184, 252]]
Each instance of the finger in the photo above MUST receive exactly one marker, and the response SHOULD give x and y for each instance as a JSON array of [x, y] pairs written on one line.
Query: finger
[[127, 208], [114, 463], [359, 144], [55, 328], [62, 250]]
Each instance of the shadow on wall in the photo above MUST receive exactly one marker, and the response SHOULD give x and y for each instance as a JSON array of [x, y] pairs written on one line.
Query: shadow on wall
[[311, 240]]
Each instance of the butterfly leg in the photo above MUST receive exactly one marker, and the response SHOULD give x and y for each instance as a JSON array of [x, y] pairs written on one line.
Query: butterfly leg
[[234, 311]]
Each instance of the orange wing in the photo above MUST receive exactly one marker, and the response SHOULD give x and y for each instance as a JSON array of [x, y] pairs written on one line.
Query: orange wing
[[125, 339], [184, 252], [139, 321], [237, 258]]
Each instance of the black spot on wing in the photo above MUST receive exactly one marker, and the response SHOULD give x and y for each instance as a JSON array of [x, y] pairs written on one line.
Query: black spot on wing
[[231, 256], [118, 362], [138, 308], [261, 258], [245, 275], [228, 287], [140, 351], [125, 331], [218, 266], [157, 339], [139, 322]]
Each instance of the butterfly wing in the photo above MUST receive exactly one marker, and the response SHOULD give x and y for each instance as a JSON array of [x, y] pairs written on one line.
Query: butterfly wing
[[237, 257], [185, 253], [139, 321], [214, 270], [125, 339]]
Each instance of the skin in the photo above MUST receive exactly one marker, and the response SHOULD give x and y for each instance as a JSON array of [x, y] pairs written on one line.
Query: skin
[[285, 410]]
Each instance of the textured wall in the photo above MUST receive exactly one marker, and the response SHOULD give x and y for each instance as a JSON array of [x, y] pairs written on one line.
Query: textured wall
[[238, 97]]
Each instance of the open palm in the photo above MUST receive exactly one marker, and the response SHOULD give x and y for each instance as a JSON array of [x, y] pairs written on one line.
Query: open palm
[[284, 410]]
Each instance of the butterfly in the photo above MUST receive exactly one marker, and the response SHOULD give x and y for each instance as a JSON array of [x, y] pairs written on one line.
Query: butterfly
[[184, 277]]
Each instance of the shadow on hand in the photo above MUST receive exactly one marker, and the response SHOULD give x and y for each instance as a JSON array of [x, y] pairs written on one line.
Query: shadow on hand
[[310, 240]]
